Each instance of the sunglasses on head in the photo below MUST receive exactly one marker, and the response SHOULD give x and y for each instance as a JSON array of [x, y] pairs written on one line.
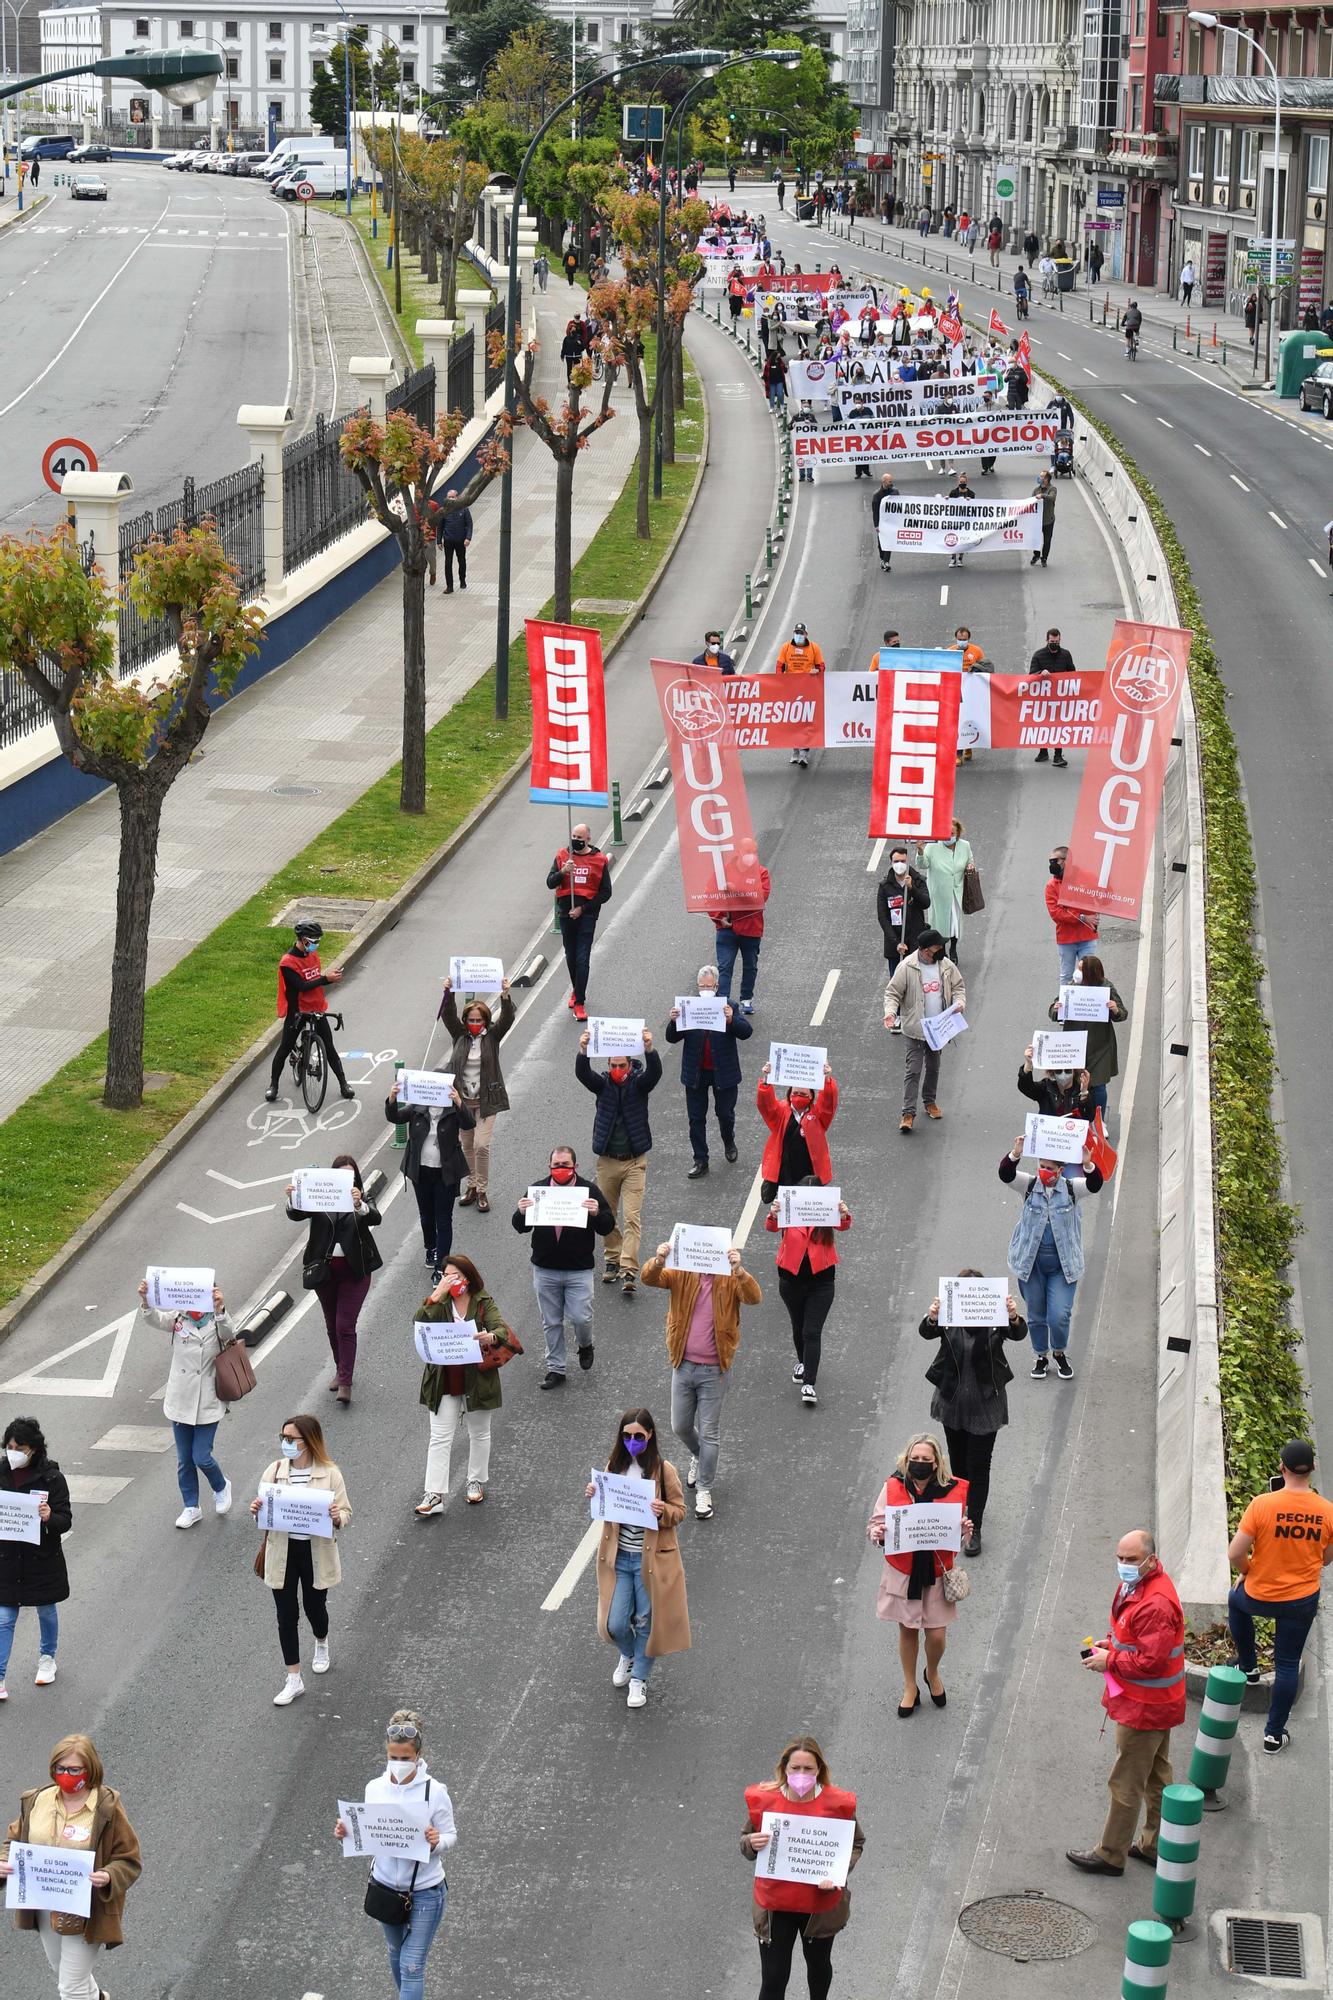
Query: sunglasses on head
[[402, 1732]]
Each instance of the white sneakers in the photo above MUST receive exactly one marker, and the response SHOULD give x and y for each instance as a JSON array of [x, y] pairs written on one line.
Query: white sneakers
[[808, 1396], [287, 1694], [430, 1503], [4, 1692], [320, 1663], [638, 1695], [691, 1477], [189, 1517], [46, 1671], [222, 1500], [703, 1505], [620, 1678]]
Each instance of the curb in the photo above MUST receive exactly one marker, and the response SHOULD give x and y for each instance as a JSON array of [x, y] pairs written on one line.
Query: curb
[[167, 1148], [1255, 1699], [16, 218]]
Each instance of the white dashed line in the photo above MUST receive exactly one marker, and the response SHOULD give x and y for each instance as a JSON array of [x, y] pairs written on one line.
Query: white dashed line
[[1063, 356], [1278, 518], [1128, 399], [1093, 372], [1317, 567], [822, 1004], [944, 593], [1238, 482], [1165, 425], [876, 855], [1203, 448]]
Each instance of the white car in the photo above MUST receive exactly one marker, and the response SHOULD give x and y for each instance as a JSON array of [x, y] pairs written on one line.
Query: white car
[[88, 187]]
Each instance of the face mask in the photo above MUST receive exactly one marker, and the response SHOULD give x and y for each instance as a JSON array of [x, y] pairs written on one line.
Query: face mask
[[578, 845], [401, 1769], [17, 1459], [618, 1072], [799, 639], [707, 990], [562, 1176], [291, 1447], [1064, 1078], [636, 1446], [71, 1781], [1078, 975], [1127, 1572], [802, 1783], [476, 1027], [800, 1100], [1057, 868], [921, 1468], [900, 867], [711, 648], [1048, 1176], [458, 1287], [1052, 645]]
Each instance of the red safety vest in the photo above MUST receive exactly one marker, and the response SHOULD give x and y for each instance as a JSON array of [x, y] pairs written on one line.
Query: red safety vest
[[897, 1493], [830, 1804], [583, 874], [305, 966], [1148, 1656]]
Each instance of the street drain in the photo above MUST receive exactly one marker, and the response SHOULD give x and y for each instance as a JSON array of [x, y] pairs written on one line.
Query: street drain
[[1028, 1926], [294, 791], [1265, 1947]]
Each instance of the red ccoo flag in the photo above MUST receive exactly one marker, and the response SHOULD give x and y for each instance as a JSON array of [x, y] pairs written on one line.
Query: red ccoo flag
[[1024, 354], [997, 325], [951, 326]]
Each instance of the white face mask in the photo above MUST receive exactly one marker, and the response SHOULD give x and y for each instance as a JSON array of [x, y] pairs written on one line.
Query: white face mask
[[402, 1769], [1078, 975], [900, 867], [17, 1459]]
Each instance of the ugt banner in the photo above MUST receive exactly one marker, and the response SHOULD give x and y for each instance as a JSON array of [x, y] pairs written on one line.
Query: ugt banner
[[712, 810], [1121, 792], [932, 527], [990, 436], [568, 715], [916, 742]]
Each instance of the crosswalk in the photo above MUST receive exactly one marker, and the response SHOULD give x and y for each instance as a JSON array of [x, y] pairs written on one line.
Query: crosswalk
[[139, 229]]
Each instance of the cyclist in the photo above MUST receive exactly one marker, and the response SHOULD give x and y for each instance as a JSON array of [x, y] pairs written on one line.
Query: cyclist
[[1049, 284], [1022, 292], [1132, 323], [301, 983]]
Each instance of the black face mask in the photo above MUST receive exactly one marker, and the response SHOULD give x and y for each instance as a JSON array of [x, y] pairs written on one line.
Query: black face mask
[[921, 1469], [1057, 868], [578, 845]]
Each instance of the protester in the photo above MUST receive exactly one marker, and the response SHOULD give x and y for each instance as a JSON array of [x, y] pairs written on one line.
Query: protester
[[581, 878], [289, 1562], [913, 1593], [1280, 1550], [886, 490], [807, 1264], [192, 1405], [622, 1140], [703, 1331], [925, 984], [33, 1573], [1102, 1057], [641, 1604], [775, 378], [784, 1911], [481, 1084], [78, 1811], [1075, 929], [709, 1061], [341, 1256], [1044, 490], [740, 924], [1142, 1664], [562, 1261], [409, 1897], [434, 1162], [1046, 1251], [946, 863], [797, 1142], [468, 1392], [800, 655], [1061, 1093], [962, 489], [301, 997], [969, 1377], [1052, 658], [902, 901], [713, 655]]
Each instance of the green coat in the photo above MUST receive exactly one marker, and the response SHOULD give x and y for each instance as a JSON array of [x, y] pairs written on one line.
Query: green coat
[[944, 868], [481, 1386], [1103, 1061]]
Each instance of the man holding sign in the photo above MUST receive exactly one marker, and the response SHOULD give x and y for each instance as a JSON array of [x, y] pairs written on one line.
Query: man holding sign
[[925, 985], [710, 1028], [622, 1141], [805, 1838], [562, 1261], [1046, 1248], [703, 1331]]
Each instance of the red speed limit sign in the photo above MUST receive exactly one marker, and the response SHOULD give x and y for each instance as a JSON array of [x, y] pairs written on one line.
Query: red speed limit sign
[[305, 192], [66, 455]]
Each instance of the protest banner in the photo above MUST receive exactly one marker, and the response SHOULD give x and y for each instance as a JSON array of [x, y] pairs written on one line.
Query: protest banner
[[295, 1510], [322, 1190], [798, 1065], [556, 1207], [993, 436], [50, 1878], [619, 1496], [974, 1301], [1085, 1003], [1054, 1138], [925, 1524], [614, 1035], [944, 526], [392, 1829], [568, 715], [1058, 1049], [941, 1029], [805, 1848], [712, 809], [701, 1010], [176, 1288], [695, 1248], [1037, 711], [428, 1087], [476, 975], [20, 1520], [447, 1343], [809, 1207], [916, 735]]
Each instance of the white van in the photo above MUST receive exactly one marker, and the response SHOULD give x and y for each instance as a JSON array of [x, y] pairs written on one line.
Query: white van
[[285, 150], [326, 175]]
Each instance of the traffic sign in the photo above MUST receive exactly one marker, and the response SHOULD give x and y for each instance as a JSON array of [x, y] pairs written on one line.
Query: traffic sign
[[304, 191], [66, 455]]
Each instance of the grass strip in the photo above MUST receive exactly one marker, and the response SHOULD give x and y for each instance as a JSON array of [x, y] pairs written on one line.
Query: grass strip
[[62, 1153], [421, 299]]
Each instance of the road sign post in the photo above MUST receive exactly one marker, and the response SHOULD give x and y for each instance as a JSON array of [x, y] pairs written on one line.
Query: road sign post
[[305, 194], [64, 455]]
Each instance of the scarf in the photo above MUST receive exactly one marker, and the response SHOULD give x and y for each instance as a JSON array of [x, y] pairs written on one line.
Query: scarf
[[923, 1560]]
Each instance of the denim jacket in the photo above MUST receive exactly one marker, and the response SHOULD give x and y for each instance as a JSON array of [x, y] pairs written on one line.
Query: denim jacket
[[1056, 1212]]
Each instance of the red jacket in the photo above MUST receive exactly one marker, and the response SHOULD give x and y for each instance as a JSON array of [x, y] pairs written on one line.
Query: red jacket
[[799, 1243], [751, 888], [776, 1112], [1071, 926], [831, 1803], [897, 1493], [1147, 1662]]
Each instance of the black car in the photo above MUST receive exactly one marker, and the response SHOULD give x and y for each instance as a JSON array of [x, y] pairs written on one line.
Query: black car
[[1317, 389], [91, 155]]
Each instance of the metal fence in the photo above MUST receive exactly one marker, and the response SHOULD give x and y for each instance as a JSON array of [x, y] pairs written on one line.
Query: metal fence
[[321, 499], [235, 505], [416, 394], [461, 373]]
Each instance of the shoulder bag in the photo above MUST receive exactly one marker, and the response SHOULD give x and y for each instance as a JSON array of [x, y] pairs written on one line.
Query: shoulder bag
[[972, 898], [233, 1371], [956, 1584], [391, 1906], [499, 1355]]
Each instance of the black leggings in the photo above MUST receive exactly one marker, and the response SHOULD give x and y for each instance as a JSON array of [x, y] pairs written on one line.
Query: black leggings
[[291, 1028], [300, 1570], [969, 1458], [775, 1957], [807, 1300]]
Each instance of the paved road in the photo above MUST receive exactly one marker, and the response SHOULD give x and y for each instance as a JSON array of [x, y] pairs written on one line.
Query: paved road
[[574, 1814], [140, 325]]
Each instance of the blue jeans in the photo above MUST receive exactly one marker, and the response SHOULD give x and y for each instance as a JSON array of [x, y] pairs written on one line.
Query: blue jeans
[[630, 1618], [1292, 1619], [728, 945], [697, 1389], [696, 1110], [578, 934], [1049, 1298], [194, 1454], [410, 1943], [48, 1631], [561, 1296], [1070, 954]]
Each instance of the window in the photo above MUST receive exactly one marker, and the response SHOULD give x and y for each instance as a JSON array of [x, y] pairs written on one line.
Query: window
[[409, 72], [1249, 156], [1140, 16], [1136, 106], [140, 29], [231, 31], [233, 68], [409, 32], [186, 30], [1324, 59], [275, 110], [1195, 157], [275, 69], [592, 33], [1317, 179], [1296, 52], [275, 31], [1222, 155], [187, 114]]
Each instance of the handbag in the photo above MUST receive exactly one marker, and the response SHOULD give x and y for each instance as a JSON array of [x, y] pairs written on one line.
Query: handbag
[[499, 1356], [315, 1271], [972, 898], [233, 1371], [259, 1559], [956, 1584], [391, 1906]]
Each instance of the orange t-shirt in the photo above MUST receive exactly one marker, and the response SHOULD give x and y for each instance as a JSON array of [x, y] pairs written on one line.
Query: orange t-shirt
[[1291, 1530]]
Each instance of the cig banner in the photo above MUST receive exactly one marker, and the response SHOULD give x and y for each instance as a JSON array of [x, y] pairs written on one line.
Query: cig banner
[[916, 742], [568, 715], [712, 810]]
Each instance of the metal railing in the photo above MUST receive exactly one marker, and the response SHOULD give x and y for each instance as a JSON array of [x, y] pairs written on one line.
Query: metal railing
[[416, 394], [460, 390], [321, 499], [235, 505]]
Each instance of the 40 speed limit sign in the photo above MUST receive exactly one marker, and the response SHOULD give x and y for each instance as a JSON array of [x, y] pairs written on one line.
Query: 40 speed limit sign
[[66, 455]]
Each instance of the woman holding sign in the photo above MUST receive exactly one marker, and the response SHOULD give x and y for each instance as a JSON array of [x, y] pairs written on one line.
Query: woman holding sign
[[970, 1375], [800, 1885], [797, 1143], [469, 1391], [434, 1160], [1046, 1251], [807, 1266], [476, 1065], [408, 1932], [340, 1258], [641, 1606], [914, 1591], [83, 1819], [1098, 1011], [34, 1514], [192, 1405], [290, 1559]]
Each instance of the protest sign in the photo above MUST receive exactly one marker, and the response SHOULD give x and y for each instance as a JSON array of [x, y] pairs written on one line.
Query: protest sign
[[619, 1496], [448, 1343], [701, 1010], [1052, 1050], [974, 1301], [393, 1829], [1022, 711], [917, 526], [1085, 1003], [798, 1065], [1054, 1138], [915, 753], [803, 1848], [809, 1207], [941, 1029], [933, 1524], [19, 1518], [693, 1248], [50, 1878], [295, 1510], [992, 436], [614, 1035], [177, 1288], [712, 809], [426, 1087], [556, 1207], [322, 1190], [476, 975]]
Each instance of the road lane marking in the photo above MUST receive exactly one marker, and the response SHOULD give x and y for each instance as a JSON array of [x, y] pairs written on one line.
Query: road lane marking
[[37, 1382], [1317, 567], [1093, 372], [1063, 356], [563, 1587], [1201, 447], [944, 593], [1128, 399], [877, 854], [1238, 482], [1165, 425], [1278, 518], [748, 1213], [821, 1005]]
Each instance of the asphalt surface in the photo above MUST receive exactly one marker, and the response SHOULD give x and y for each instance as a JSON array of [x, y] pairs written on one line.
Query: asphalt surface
[[588, 1833], [139, 325]]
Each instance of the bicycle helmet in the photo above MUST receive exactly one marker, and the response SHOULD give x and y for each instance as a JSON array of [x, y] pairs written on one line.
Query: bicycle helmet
[[310, 933]]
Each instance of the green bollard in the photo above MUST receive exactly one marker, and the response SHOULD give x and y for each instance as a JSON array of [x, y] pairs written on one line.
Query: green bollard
[[1177, 1855], [1219, 1719], [1174, 331], [782, 510], [1147, 1959], [399, 1131], [617, 829], [749, 596], [1224, 354], [768, 548]]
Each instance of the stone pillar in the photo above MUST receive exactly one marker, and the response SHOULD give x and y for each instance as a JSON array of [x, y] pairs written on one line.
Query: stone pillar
[[504, 209], [87, 128], [96, 498], [474, 306], [370, 376], [435, 336], [265, 424], [483, 236], [155, 131], [527, 255]]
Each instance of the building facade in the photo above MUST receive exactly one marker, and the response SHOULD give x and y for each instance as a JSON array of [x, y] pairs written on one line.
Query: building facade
[[867, 73]]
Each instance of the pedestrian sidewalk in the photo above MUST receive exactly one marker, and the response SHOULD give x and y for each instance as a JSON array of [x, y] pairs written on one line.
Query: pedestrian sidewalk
[[281, 762], [11, 214]]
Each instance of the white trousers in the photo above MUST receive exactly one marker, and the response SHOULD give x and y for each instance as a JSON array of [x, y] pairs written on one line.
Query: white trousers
[[71, 1959], [444, 1424]]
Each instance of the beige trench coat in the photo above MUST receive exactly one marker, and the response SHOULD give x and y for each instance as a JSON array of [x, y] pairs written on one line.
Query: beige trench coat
[[663, 1572], [327, 1567]]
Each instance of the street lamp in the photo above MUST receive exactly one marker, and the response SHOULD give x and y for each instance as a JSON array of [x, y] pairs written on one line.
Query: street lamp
[[686, 59], [320, 38], [1211, 21], [183, 76]]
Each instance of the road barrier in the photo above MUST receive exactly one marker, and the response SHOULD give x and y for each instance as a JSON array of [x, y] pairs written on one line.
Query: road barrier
[[1219, 1720]]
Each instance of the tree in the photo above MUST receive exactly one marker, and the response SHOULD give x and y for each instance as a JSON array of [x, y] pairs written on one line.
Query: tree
[[565, 431], [438, 188], [481, 37], [55, 633], [525, 80], [400, 464], [729, 24], [388, 76], [803, 104], [328, 87]]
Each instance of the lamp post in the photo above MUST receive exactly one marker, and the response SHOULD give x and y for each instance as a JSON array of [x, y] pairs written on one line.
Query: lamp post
[[184, 76], [687, 59], [1211, 21]]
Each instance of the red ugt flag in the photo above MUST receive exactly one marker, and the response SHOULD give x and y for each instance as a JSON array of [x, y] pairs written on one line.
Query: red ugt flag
[[712, 809]]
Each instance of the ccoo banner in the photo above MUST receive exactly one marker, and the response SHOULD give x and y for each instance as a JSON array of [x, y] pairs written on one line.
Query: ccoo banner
[[712, 810], [1121, 792], [910, 526], [568, 715], [916, 740], [983, 437]]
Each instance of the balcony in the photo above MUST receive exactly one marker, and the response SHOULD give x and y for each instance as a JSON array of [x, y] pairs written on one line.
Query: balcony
[[1059, 139], [1153, 154]]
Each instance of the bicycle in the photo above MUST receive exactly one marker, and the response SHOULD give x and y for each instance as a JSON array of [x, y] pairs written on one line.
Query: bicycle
[[309, 1063], [1050, 285], [1131, 344]]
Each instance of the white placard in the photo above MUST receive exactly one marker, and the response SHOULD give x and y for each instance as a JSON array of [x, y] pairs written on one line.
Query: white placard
[[175, 1288], [938, 1030], [702, 1010], [1085, 1003], [928, 1524], [809, 1207], [398, 1830], [694, 1248], [476, 975], [425, 1086], [295, 1510], [974, 1301], [803, 1848], [614, 1035], [1054, 1138], [50, 1878], [19, 1519], [557, 1207], [1052, 1050], [621, 1497], [447, 1343], [796, 1065], [322, 1190]]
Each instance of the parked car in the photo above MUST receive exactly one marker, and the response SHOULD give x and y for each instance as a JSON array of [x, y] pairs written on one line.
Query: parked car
[[246, 165], [88, 187], [48, 146], [90, 155], [1317, 389], [326, 175]]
